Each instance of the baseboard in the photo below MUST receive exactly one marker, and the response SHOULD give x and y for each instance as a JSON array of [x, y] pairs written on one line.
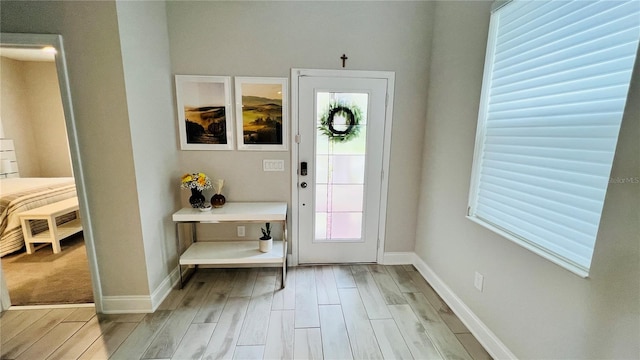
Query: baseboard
[[398, 258], [141, 303], [126, 304], [165, 287], [496, 348]]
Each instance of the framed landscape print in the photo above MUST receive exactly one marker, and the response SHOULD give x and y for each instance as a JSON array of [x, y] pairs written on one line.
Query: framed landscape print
[[204, 112], [261, 113]]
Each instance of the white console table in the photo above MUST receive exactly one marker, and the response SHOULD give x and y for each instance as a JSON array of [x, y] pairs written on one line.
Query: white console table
[[238, 252]]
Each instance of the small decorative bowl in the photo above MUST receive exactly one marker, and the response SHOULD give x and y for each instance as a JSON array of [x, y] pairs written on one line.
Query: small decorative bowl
[[205, 207]]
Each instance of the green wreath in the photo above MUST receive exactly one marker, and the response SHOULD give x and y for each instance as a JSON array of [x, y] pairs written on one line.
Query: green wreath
[[352, 113]]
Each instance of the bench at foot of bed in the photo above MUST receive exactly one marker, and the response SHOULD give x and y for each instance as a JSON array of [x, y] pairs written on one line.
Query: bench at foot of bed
[[56, 232]]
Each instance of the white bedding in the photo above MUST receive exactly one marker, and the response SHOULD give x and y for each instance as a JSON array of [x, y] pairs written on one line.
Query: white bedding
[[21, 194], [14, 185]]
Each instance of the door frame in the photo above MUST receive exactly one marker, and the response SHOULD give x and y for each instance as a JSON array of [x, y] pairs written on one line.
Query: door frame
[[296, 74], [41, 40]]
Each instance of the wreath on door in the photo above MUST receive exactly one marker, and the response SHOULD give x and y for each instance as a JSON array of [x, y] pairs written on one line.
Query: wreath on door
[[351, 113]]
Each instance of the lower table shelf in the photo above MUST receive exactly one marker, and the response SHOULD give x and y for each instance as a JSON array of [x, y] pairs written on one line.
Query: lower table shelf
[[231, 252]]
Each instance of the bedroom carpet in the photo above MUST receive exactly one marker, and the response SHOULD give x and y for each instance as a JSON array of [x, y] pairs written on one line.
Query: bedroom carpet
[[45, 278]]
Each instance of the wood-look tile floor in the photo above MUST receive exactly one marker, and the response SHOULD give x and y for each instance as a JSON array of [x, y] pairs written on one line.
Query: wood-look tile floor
[[324, 312]]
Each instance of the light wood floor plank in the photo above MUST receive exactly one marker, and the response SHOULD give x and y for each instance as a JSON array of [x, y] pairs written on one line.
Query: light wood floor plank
[[225, 279], [110, 340], [413, 333], [439, 333], [173, 300], [391, 342], [252, 352], [225, 336], [256, 323], [167, 340], [39, 328], [371, 296], [118, 318], [137, 342], [361, 336], [402, 278], [335, 340], [280, 335], [343, 276], [194, 341], [326, 285], [217, 298], [14, 322], [82, 314], [447, 315], [243, 284], [212, 307], [474, 348], [306, 299], [387, 286], [422, 328], [81, 340], [307, 344], [47, 344], [285, 299]]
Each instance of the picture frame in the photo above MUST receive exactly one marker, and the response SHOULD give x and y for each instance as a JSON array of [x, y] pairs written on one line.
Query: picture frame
[[262, 115], [204, 107]]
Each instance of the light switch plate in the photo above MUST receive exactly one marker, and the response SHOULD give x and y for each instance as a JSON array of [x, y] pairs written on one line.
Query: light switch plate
[[272, 165]]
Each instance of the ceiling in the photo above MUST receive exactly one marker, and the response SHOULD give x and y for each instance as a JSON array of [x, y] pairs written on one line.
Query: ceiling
[[23, 54]]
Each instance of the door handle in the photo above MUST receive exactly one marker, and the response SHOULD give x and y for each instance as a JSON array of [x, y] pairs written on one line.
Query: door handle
[[303, 185]]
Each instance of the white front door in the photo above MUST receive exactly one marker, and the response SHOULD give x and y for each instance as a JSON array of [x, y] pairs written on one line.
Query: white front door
[[339, 194]]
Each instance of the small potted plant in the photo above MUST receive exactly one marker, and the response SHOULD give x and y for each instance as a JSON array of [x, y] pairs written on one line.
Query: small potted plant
[[266, 242]]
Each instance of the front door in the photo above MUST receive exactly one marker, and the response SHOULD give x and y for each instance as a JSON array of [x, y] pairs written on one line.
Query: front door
[[341, 123]]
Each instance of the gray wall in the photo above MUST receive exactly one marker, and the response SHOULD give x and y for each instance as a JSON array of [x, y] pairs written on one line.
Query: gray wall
[[92, 44], [270, 38], [148, 82], [538, 309]]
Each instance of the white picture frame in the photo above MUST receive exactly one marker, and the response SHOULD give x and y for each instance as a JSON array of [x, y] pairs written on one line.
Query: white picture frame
[[205, 115], [262, 113]]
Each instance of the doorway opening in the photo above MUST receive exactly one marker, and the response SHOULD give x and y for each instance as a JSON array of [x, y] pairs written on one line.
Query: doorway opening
[[44, 168]]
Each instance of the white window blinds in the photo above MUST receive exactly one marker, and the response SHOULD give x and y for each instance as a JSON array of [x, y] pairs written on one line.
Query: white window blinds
[[555, 86]]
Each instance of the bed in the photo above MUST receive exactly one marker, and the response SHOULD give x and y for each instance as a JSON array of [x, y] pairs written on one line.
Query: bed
[[20, 194]]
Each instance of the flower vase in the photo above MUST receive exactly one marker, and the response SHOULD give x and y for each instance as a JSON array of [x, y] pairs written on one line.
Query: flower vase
[[196, 199], [265, 245], [217, 200]]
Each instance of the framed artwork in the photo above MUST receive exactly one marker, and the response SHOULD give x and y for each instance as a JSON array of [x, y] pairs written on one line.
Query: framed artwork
[[261, 113], [204, 112]]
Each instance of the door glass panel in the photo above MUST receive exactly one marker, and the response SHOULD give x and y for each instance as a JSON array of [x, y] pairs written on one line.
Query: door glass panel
[[340, 173]]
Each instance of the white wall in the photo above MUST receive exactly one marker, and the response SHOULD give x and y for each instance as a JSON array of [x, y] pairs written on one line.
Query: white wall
[[47, 118], [538, 309], [32, 116], [269, 38], [16, 116], [148, 80]]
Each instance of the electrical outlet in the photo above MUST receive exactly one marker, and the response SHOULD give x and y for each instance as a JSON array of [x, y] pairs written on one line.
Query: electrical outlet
[[240, 230], [478, 281]]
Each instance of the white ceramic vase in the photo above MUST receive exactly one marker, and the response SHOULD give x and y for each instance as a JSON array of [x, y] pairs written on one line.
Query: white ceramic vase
[[265, 245]]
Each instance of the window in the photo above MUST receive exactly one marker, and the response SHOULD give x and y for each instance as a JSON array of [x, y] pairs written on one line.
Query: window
[[555, 86]]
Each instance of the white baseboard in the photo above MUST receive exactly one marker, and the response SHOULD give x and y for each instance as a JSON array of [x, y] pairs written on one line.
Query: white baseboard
[[141, 303], [398, 258], [126, 304], [496, 348], [165, 287]]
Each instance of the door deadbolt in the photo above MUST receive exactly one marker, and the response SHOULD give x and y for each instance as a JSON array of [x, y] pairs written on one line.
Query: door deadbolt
[[303, 185]]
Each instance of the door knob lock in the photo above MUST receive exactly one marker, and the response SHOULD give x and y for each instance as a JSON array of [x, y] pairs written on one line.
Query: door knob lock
[[303, 185]]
